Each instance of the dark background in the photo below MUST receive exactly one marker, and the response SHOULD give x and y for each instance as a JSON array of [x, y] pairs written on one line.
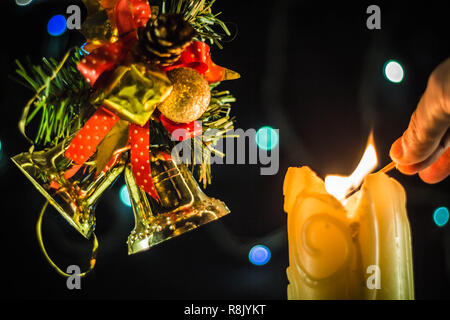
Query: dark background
[[309, 68]]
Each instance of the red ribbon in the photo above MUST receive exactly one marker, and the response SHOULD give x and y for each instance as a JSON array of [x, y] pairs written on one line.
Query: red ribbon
[[130, 15], [139, 140], [85, 143], [189, 130], [198, 57]]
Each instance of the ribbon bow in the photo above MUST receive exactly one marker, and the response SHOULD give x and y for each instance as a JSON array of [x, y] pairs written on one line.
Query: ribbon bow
[[130, 15], [198, 57]]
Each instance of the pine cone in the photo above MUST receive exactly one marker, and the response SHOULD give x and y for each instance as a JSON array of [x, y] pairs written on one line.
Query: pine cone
[[163, 40]]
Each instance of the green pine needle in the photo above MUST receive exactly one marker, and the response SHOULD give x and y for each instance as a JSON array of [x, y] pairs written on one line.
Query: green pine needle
[[61, 100], [216, 122], [198, 13]]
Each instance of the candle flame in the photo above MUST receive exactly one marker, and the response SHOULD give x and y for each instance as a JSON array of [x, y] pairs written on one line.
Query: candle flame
[[340, 186]]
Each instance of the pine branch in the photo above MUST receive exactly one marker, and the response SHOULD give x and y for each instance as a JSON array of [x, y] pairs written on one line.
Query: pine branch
[[61, 97], [199, 14], [216, 122]]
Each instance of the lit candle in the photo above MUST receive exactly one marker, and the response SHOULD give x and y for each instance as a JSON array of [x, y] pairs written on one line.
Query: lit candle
[[355, 248]]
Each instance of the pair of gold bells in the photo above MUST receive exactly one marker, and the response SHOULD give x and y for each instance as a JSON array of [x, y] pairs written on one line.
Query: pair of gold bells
[[182, 205]]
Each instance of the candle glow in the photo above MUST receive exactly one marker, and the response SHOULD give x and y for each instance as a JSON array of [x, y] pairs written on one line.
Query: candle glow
[[339, 186], [336, 240]]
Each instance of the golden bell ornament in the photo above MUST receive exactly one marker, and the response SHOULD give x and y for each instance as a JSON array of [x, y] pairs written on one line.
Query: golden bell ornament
[[73, 197], [182, 207]]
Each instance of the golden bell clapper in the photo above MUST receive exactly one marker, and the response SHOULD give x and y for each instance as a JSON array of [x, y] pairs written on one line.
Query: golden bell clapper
[[341, 247]]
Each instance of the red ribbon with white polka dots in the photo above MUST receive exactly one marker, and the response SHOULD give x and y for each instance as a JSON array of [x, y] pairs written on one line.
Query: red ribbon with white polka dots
[[85, 143], [131, 14], [139, 139]]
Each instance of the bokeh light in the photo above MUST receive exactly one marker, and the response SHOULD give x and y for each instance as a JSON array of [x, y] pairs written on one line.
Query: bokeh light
[[23, 2], [393, 71], [266, 138], [441, 216], [259, 255], [57, 25], [83, 51], [1, 155], [124, 196]]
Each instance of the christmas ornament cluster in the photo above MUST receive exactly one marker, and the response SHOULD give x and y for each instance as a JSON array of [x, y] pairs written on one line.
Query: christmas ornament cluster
[[112, 111]]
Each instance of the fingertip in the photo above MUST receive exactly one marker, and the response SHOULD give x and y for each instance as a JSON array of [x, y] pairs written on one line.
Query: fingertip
[[438, 171], [396, 151], [407, 169], [430, 177]]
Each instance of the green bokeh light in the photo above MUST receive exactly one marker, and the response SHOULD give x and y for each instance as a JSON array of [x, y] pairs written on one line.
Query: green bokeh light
[[266, 138], [441, 216], [124, 196]]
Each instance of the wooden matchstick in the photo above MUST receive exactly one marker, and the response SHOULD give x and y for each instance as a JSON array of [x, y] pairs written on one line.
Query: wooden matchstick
[[389, 167], [386, 169]]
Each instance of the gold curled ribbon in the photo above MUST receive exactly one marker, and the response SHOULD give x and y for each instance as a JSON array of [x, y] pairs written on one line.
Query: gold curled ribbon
[[41, 245]]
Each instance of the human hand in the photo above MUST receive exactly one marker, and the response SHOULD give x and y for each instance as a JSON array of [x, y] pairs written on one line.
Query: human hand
[[423, 147]]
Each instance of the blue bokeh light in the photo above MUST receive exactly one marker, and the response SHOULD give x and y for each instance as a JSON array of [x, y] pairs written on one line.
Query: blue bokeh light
[[82, 50], [441, 216], [57, 25], [266, 138], [124, 196], [259, 255]]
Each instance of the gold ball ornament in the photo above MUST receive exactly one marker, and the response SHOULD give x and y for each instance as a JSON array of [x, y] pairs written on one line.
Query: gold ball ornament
[[189, 98]]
